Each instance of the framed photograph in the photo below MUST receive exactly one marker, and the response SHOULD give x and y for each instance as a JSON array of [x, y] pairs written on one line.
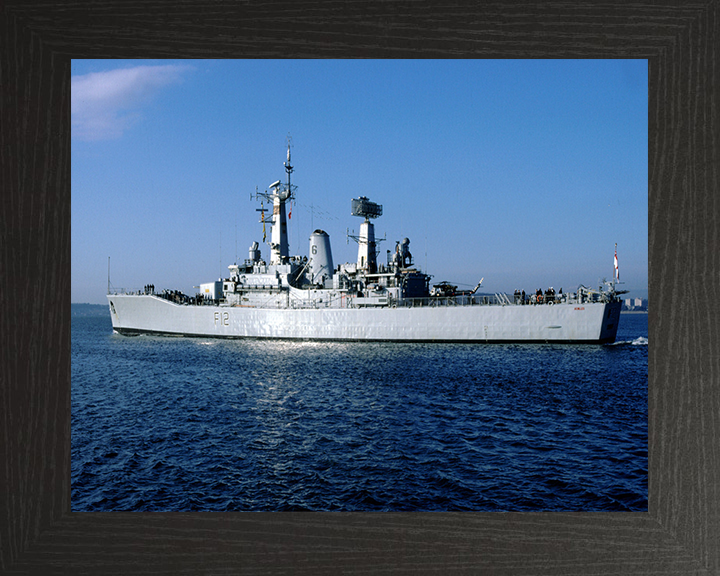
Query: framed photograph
[[42, 534]]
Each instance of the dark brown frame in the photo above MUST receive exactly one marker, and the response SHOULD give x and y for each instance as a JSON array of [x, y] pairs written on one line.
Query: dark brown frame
[[681, 531]]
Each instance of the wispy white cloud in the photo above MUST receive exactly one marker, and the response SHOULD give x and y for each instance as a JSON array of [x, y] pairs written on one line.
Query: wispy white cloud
[[105, 104]]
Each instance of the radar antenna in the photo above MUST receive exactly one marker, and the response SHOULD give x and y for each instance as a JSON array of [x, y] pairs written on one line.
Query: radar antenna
[[365, 209], [367, 253]]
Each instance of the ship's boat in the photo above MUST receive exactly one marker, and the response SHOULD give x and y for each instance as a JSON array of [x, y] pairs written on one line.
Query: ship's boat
[[308, 297]]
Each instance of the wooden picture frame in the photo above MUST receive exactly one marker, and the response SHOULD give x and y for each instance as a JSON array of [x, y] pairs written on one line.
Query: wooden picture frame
[[680, 532]]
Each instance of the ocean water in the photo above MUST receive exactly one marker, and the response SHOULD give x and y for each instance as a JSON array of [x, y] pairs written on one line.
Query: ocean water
[[180, 424]]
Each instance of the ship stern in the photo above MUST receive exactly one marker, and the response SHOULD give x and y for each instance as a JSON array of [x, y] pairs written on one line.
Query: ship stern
[[610, 322]]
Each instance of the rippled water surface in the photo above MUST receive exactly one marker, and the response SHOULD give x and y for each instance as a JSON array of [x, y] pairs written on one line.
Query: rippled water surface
[[199, 424]]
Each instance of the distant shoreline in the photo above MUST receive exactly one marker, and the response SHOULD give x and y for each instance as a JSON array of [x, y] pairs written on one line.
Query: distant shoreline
[[84, 309]]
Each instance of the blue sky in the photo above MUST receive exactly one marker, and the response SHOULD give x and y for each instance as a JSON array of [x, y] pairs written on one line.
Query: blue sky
[[525, 173]]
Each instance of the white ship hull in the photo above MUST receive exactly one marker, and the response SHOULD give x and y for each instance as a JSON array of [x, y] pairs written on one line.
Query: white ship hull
[[592, 322]]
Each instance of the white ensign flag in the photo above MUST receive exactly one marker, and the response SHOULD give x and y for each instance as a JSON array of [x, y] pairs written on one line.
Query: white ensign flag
[[617, 271]]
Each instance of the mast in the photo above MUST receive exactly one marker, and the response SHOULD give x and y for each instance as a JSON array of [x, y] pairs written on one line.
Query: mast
[[367, 254], [279, 194], [616, 275], [280, 221], [288, 166]]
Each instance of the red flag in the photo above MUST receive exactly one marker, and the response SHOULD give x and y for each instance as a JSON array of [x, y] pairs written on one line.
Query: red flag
[[290, 212]]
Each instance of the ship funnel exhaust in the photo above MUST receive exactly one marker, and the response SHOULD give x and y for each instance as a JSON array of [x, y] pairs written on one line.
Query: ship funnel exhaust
[[321, 263]]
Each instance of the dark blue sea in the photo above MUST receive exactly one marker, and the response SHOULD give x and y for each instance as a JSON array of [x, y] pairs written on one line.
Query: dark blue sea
[[180, 424]]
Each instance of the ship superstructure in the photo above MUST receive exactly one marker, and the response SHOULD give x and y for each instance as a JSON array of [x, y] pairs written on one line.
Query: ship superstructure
[[308, 297]]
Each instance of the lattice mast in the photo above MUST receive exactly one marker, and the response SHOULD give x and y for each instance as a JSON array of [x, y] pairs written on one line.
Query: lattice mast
[[279, 194]]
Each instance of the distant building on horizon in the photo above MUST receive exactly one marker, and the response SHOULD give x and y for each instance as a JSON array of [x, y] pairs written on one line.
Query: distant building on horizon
[[638, 304]]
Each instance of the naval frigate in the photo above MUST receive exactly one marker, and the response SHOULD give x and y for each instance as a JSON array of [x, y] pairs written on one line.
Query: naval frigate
[[309, 298]]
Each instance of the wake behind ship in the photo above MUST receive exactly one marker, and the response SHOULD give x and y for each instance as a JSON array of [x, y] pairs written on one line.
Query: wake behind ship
[[309, 298]]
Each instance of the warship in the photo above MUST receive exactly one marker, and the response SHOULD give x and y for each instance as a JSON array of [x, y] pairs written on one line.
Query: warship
[[309, 298]]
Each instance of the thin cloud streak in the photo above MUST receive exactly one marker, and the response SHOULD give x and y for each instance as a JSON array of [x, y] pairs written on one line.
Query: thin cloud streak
[[105, 104]]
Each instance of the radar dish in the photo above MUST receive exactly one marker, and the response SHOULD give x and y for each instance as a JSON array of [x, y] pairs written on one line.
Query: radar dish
[[365, 209]]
